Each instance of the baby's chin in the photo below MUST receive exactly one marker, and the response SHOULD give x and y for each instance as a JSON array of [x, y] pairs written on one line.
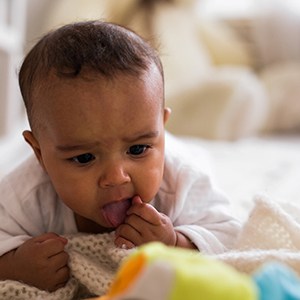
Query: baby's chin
[[89, 226]]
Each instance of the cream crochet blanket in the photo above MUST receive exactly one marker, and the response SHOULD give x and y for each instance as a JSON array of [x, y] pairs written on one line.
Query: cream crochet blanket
[[271, 233], [93, 261]]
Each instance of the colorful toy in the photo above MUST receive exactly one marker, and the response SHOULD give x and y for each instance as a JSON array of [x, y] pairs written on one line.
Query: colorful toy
[[158, 272]]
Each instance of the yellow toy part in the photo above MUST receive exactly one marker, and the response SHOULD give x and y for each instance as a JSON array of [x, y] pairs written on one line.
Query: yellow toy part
[[158, 272]]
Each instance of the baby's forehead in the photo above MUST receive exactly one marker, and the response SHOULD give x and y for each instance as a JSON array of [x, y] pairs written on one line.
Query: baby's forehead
[[92, 99], [54, 84]]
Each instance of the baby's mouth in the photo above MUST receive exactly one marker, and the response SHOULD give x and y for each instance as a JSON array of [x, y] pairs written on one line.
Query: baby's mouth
[[115, 212]]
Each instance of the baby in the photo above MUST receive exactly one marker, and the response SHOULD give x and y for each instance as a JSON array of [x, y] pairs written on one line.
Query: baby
[[94, 95]]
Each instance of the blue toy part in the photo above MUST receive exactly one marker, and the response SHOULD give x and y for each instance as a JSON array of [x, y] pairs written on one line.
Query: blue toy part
[[276, 281]]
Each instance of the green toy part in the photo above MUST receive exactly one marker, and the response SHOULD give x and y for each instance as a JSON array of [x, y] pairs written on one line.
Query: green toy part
[[158, 272]]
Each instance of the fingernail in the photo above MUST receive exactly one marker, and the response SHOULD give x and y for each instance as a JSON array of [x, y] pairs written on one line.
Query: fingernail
[[64, 240], [138, 199]]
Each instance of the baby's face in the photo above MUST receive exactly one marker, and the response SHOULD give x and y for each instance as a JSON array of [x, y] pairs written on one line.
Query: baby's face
[[102, 143]]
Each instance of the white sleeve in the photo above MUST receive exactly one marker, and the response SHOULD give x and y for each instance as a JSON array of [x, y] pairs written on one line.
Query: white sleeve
[[201, 212], [29, 207], [16, 219]]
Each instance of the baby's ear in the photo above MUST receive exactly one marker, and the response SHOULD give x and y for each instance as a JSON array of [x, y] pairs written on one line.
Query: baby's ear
[[167, 113], [34, 144]]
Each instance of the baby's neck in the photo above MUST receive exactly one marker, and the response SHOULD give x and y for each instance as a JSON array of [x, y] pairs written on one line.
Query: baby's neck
[[88, 226]]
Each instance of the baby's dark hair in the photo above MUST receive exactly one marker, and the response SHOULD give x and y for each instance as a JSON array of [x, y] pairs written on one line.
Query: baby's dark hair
[[105, 48]]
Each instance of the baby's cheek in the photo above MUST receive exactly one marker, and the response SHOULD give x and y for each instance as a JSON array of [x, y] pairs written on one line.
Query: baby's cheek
[[74, 198], [150, 185]]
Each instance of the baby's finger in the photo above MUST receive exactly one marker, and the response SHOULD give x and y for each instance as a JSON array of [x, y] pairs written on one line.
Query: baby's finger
[[137, 200], [50, 235], [60, 260], [129, 233], [62, 276], [51, 247], [145, 211], [122, 243]]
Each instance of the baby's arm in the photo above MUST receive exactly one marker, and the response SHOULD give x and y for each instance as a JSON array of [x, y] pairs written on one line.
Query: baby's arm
[[145, 224], [40, 261]]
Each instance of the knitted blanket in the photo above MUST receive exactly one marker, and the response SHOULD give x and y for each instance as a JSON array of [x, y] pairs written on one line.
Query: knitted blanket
[[93, 261], [271, 233]]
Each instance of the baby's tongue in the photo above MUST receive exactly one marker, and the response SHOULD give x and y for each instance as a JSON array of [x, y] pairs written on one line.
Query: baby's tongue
[[115, 212]]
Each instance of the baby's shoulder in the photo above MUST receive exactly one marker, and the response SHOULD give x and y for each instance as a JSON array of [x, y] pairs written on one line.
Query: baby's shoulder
[[26, 179], [184, 165], [184, 155]]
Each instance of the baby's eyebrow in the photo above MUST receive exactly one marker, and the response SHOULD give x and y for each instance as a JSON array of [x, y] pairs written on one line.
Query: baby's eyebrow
[[76, 147], [88, 146], [141, 136]]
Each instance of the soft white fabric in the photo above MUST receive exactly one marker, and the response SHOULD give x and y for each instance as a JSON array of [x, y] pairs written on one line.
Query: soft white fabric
[[258, 165], [271, 233], [30, 206]]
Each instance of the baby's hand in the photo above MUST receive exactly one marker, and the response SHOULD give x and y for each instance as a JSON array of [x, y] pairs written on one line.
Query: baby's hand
[[42, 262], [144, 224]]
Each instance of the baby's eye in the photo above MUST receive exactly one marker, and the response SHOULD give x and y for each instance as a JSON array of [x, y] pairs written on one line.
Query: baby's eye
[[83, 158], [137, 149]]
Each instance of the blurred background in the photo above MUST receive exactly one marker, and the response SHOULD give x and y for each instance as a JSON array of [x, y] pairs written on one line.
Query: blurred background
[[232, 68]]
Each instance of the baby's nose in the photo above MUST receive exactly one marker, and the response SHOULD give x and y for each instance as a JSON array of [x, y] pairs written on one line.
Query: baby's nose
[[113, 174]]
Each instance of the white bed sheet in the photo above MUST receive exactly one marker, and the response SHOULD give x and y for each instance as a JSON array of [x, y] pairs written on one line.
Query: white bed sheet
[[252, 166]]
